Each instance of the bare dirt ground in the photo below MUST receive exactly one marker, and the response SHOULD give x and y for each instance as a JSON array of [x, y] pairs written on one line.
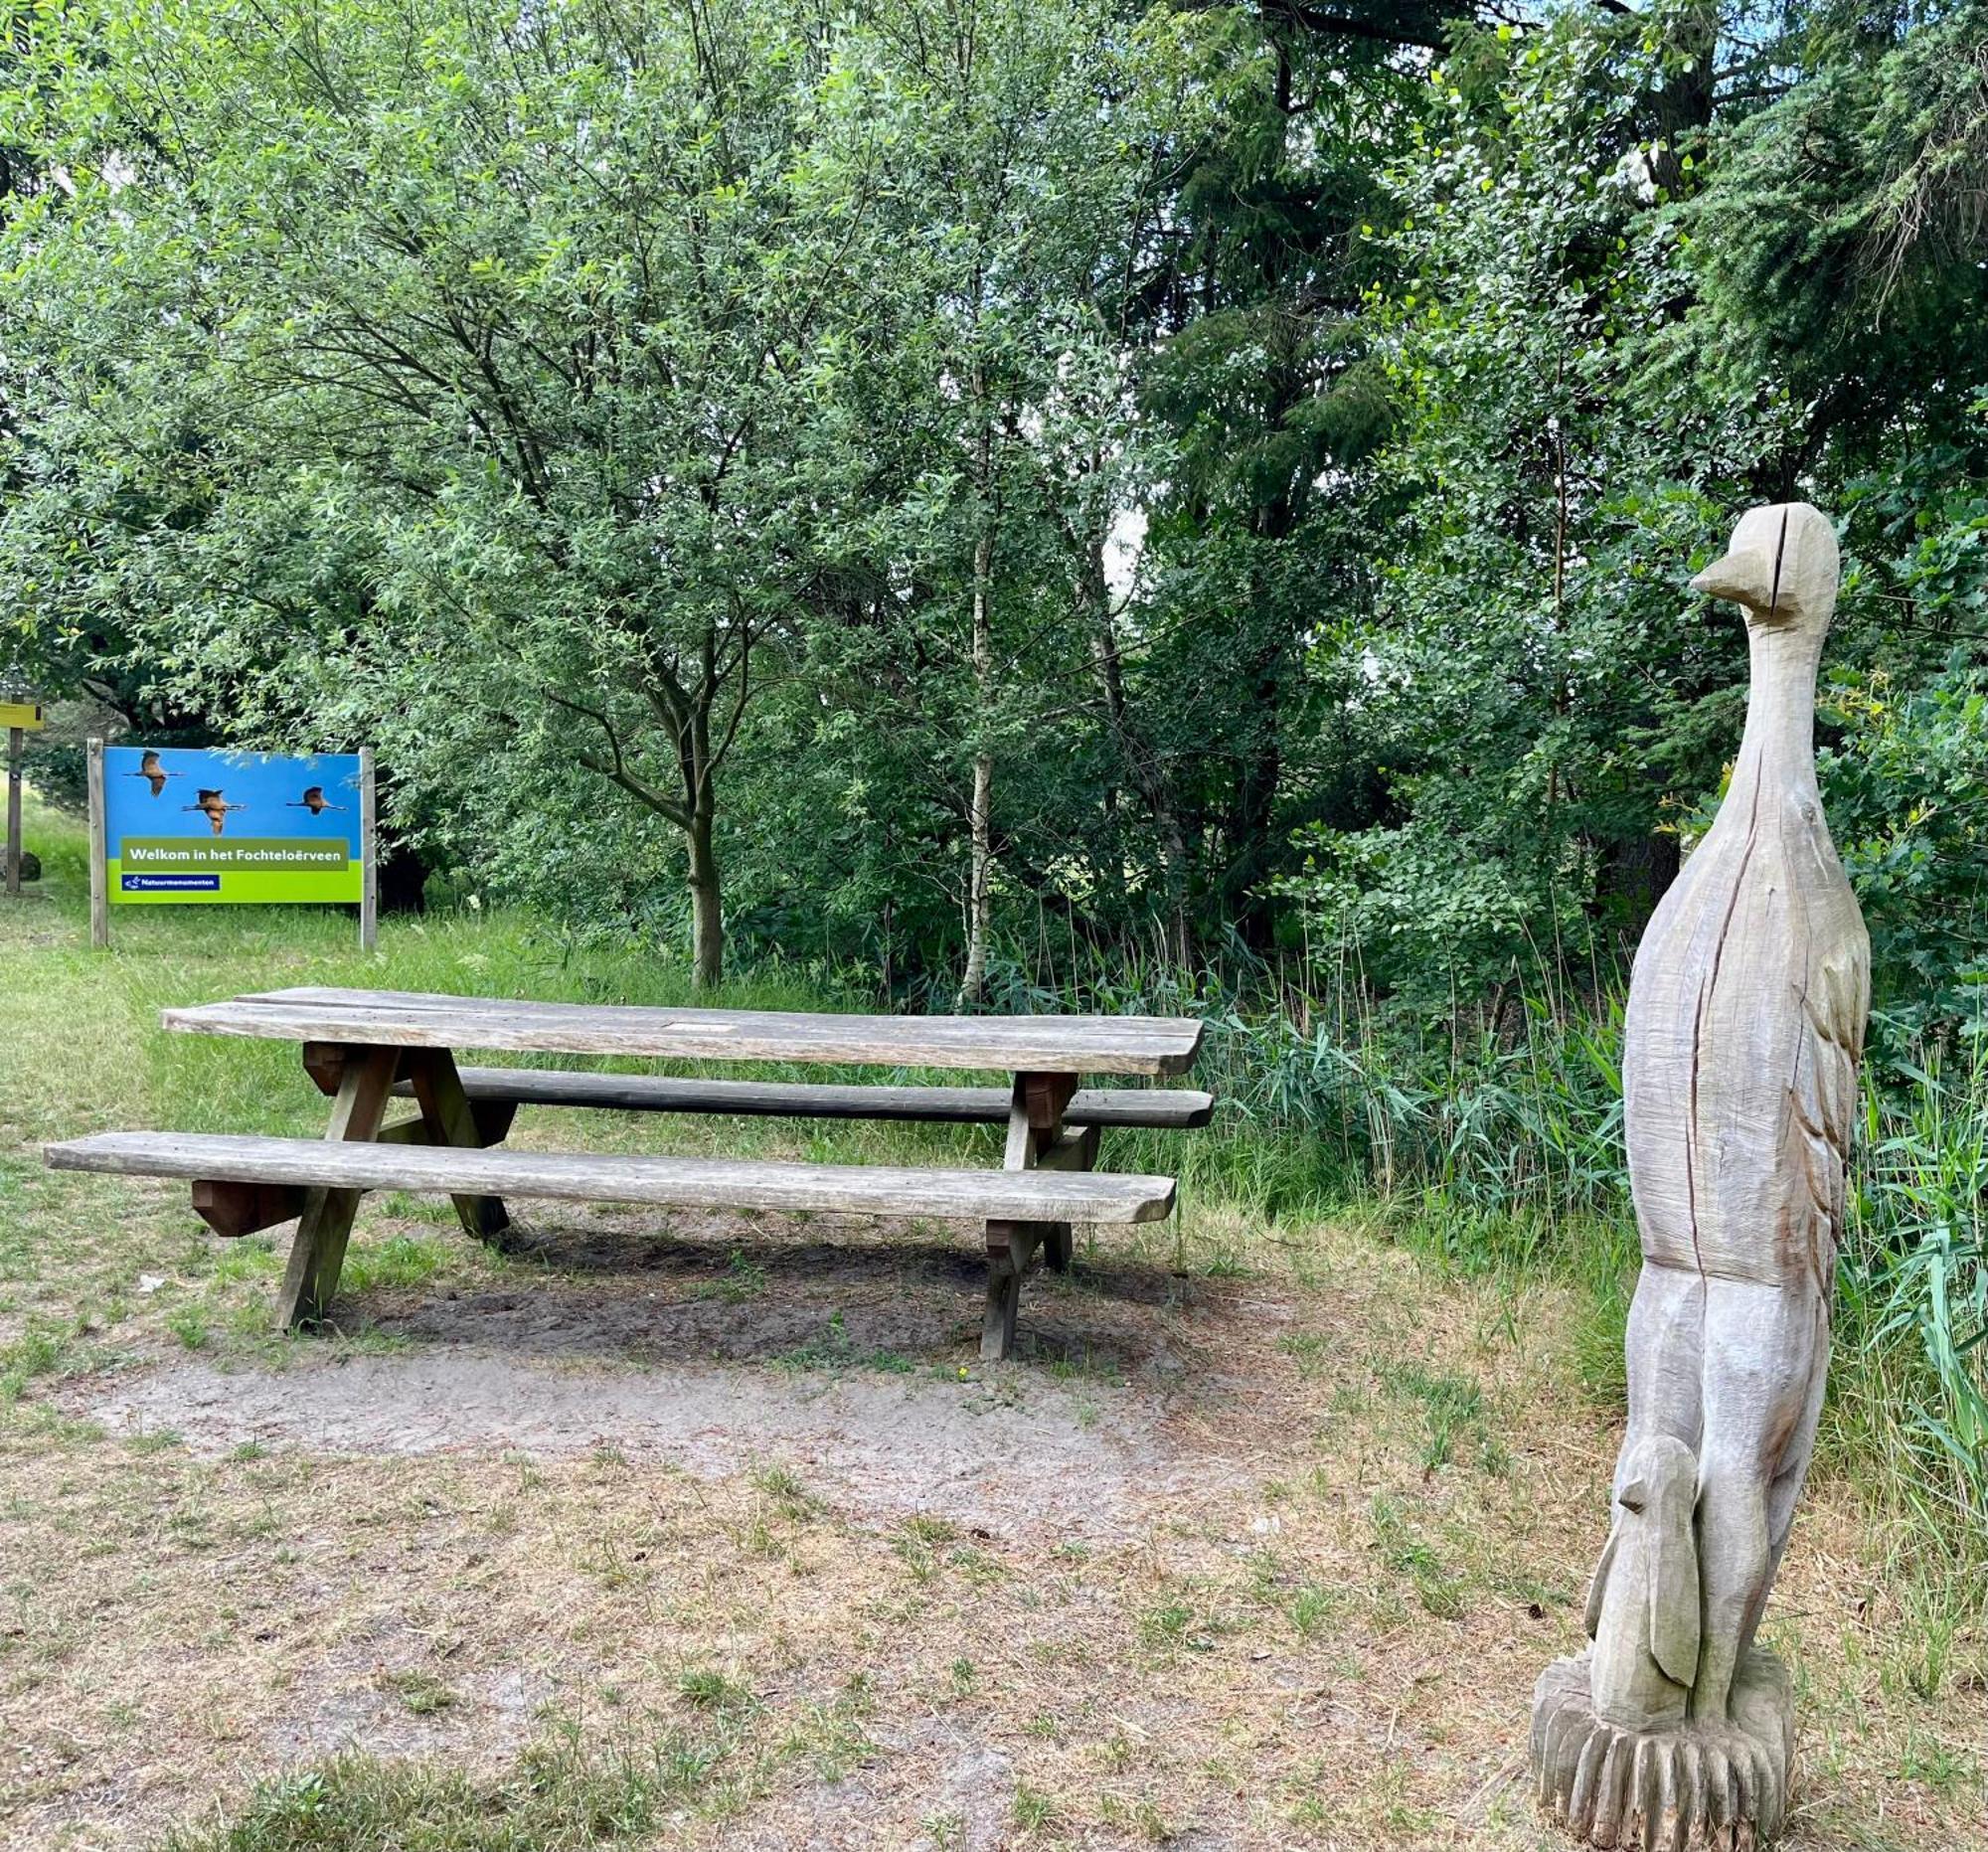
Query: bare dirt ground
[[1255, 1553], [520, 1370]]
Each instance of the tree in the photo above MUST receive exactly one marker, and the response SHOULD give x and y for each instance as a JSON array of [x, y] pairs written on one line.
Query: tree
[[1265, 400], [474, 372]]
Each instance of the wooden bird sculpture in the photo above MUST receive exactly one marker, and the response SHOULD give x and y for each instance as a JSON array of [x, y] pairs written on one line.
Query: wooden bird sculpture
[[152, 772], [1744, 1028], [214, 807], [314, 801]]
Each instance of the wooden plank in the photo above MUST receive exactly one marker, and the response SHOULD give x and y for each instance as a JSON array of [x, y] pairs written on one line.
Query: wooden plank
[[493, 1124], [1170, 1109], [1020, 1151], [317, 1251], [324, 1062], [99, 875], [369, 870], [1035, 1127], [1045, 1095], [452, 1120], [1142, 1045], [1070, 1150], [17, 744], [671, 1182], [1009, 1246], [236, 1209]]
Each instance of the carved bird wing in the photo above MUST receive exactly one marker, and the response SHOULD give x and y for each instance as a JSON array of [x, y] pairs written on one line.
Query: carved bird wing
[[1822, 1100], [1675, 1618]]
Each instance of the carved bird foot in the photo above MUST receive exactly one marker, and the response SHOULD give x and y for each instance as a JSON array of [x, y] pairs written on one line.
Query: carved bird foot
[[1706, 1785]]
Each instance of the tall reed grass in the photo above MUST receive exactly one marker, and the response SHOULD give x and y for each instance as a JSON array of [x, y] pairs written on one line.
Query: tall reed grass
[[1494, 1139]]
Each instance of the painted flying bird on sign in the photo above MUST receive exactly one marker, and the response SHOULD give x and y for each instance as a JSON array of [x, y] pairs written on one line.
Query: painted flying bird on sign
[[210, 802], [155, 775], [314, 801]]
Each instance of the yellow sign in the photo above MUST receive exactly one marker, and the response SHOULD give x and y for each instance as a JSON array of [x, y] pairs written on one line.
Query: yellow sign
[[26, 715]]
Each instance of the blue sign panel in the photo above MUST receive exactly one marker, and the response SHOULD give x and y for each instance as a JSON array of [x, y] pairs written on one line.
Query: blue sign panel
[[241, 828]]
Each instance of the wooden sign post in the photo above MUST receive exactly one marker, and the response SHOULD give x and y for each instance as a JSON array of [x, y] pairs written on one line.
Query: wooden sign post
[[180, 826], [20, 718], [368, 867], [99, 875]]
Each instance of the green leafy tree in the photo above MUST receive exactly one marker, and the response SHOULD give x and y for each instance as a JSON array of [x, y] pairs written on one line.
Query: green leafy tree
[[474, 376]]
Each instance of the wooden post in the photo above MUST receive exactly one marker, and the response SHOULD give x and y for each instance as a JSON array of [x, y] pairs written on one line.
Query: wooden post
[[236, 1209], [317, 1251], [17, 744], [1035, 1126], [99, 875], [450, 1119], [369, 870]]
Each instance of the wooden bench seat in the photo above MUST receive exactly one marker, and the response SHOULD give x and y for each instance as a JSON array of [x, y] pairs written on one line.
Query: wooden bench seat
[[1167, 1108], [243, 1183], [1042, 1194]]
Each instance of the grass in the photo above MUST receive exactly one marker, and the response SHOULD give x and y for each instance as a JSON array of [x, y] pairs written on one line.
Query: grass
[[556, 1797], [1300, 1490]]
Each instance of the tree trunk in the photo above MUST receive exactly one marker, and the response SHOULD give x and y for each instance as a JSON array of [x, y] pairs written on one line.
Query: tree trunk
[[706, 908], [1251, 811], [979, 878], [1684, 106], [688, 719], [1133, 752], [979, 889]]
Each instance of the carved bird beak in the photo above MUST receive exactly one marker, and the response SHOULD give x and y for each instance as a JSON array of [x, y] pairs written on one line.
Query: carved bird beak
[[1745, 577]]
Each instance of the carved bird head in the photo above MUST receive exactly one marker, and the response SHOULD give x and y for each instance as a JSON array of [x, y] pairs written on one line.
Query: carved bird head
[[1780, 569]]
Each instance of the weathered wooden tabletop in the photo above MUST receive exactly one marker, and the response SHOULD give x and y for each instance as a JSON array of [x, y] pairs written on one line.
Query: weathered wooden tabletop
[[1142, 1045]]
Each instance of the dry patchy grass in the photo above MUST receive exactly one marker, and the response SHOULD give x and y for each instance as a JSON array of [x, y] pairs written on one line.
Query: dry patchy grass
[[694, 1532]]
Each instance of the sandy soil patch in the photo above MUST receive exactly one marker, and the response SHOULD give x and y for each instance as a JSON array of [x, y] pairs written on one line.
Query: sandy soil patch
[[1004, 1457]]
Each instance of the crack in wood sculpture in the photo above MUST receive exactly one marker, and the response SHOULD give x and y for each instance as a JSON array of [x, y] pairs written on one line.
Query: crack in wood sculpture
[[1745, 1024]]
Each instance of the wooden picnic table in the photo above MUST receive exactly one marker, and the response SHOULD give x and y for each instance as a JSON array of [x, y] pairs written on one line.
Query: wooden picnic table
[[1139, 1044], [362, 1046]]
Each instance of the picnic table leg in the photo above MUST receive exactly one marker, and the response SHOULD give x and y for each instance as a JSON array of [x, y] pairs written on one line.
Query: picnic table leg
[[449, 1119], [1064, 1150], [317, 1250], [1009, 1246], [1035, 1129]]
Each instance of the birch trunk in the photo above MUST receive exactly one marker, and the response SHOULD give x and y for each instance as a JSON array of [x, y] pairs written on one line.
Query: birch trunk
[[980, 878], [979, 888]]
